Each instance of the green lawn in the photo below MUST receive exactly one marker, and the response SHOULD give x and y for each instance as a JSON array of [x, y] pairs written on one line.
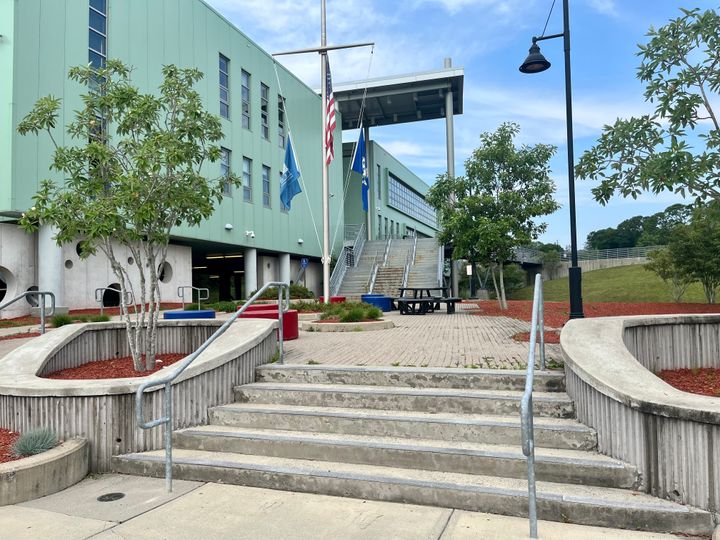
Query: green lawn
[[621, 284]]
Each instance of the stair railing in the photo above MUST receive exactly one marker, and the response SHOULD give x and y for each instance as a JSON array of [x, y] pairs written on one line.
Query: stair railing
[[406, 272], [200, 290], [341, 266], [526, 404], [441, 265], [387, 250], [99, 297], [178, 368], [414, 252], [373, 274], [41, 304]]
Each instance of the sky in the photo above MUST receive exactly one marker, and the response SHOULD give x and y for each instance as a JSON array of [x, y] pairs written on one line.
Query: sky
[[489, 39]]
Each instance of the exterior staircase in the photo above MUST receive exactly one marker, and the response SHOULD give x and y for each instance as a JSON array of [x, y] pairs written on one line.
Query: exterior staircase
[[437, 437], [357, 278], [424, 273]]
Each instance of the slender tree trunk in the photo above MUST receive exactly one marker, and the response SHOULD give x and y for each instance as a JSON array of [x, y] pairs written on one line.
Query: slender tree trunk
[[495, 285], [503, 300]]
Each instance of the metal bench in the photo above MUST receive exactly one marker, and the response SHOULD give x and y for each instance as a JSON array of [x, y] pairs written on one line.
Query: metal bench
[[416, 306]]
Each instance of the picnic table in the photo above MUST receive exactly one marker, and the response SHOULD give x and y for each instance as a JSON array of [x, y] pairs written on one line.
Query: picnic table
[[422, 300]]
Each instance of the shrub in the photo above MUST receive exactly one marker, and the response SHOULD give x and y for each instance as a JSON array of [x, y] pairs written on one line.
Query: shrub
[[354, 314], [34, 442], [306, 306], [296, 292], [225, 306], [61, 320], [99, 318], [350, 312]]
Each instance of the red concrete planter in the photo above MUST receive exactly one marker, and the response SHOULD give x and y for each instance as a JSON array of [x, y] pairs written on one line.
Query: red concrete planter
[[290, 320], [333, 299]]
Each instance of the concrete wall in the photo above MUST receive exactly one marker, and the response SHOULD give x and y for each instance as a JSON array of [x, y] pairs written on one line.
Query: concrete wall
[[17, 267], [560, 270]]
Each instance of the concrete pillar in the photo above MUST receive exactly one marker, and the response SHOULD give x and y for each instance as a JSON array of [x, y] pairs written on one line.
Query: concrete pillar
[[51, 268], [250, 270], [450, 149], [368, 224], [285, 267]]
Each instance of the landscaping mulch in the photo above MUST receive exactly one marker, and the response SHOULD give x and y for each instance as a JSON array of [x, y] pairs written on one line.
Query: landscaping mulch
[[20, 335], [337, 320], [116, 310], [7, 439], [114, 368], [19, 321], [557, 313], [551, 336], [703, 381]]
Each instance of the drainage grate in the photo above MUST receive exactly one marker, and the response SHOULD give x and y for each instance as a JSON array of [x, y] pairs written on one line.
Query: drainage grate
[[110, 497]]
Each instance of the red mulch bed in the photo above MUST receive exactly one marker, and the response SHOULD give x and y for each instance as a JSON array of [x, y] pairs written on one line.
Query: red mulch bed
[[703, 381], [556, 313], [113, 368], [20, 335], [7, 439], [551, 336], [19, 321]]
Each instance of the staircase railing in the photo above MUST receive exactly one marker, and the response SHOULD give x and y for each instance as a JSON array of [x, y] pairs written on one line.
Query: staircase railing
[[526, 404], [129, 299], [387, 251], [414, 252], [373, 274], [440, 265], [41, 304], [177, 369], [406, 272], [181, 293], [342, 264]]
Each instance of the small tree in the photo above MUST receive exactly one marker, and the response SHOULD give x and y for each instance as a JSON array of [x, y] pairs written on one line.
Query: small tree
[[662, 263], [133, 174], [655, 152], [491, 210]]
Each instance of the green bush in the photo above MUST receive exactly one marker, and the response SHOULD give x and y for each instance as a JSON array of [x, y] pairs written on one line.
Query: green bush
[[225, 306], [354, 314], [350, 312], [306, 306], [99, 318], [61, 320], [34, 442], [296, 292]]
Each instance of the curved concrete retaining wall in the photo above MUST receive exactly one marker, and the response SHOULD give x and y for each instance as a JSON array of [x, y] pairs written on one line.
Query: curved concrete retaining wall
[[37, 476], [103, 411], [673, 437]]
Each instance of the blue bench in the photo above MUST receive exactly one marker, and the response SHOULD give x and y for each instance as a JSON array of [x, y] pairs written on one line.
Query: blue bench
[[197, 314]]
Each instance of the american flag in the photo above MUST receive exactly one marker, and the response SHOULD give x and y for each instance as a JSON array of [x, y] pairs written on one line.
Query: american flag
[[329, 115]]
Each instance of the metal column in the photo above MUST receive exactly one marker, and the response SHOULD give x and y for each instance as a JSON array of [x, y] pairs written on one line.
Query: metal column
[[368, 225], [325, 178], [450, 148]]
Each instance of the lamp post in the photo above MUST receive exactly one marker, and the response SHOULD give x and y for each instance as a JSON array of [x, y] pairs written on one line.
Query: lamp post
[[536, 63]]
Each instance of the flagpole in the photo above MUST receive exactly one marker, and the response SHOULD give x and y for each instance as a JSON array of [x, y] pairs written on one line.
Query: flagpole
[[325, 176]]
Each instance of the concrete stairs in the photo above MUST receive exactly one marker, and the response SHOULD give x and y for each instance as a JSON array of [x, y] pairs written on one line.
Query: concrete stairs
[[424, 272], [355, 282], [440, 437], [388, 281]]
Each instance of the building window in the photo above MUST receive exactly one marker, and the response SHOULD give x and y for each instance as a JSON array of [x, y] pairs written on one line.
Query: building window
[[281, 121], [225, 170], [247, 179], [245, 81], [410, 203], [265, 111], [97, 39], [266, 185], [283, 208], [377, 183], [224, 87]]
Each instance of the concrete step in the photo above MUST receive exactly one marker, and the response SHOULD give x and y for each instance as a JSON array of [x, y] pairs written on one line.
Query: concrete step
[[558, 433], [489, 379], [434, 400], [606, 507], [569, 466]]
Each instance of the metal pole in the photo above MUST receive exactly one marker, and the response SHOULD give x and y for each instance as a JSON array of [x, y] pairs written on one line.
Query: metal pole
[[41, 298], [325, 179], [280, 323], [370, 191], [168, 437], [574, 272], [450, 152]]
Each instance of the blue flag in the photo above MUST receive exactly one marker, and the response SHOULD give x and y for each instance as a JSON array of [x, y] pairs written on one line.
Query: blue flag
[[290, 183], [360, 167]]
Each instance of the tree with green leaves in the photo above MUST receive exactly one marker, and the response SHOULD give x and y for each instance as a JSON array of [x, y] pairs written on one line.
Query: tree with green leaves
[[662, 263], [657, 152], [491, 210], [134, 172]]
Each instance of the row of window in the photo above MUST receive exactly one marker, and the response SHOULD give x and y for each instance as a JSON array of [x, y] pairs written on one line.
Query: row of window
[[410, 202], [247, 180], [245, 85], [394, 229], [97, 38]]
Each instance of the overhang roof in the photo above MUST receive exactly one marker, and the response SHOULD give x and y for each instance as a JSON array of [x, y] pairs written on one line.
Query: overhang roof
[[401, 98]]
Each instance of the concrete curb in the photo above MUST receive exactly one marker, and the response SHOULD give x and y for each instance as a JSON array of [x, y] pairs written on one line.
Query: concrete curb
[[43, 474], [311, 326]]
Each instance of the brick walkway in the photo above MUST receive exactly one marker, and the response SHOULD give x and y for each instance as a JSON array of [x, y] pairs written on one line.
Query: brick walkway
[[433, 340]]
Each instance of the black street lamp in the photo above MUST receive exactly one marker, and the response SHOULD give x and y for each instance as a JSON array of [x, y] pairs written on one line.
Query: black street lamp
[[535, 63]]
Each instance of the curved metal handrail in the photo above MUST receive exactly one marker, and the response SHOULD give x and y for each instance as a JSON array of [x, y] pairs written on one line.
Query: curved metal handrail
[[41, 304], [181, 294], [526, 404], [129, 298], [178, 368]]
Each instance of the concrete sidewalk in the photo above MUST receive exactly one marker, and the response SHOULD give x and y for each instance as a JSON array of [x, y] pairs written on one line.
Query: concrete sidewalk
[[216, 511]]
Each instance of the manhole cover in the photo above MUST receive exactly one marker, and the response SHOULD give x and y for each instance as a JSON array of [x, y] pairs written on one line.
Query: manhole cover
[[109, 497]]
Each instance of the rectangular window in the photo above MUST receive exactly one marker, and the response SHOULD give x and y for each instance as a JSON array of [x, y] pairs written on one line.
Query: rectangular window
[[281, 121], [225, 170], [377, 183], [247, 179], [224, 66], [245, 82], [265, 111], [409, 202], [283, 208], [97, 34], [266, 185]]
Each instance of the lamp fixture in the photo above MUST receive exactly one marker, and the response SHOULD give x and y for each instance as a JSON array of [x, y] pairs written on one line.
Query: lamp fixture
[[535, 61], [301, 241], [251, 234], [229, 227]]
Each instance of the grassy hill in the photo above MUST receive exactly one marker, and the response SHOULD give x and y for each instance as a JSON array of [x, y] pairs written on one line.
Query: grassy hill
[[621, 284]]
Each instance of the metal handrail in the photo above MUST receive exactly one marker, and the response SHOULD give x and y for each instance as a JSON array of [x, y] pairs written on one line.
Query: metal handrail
[[341, 266], [406, 271], [181, 294], [414, 249], [41, 304], [441, 265], [387, 251], [129, 298], [373, 274], [180, 367], [526, 404], [359, 244]]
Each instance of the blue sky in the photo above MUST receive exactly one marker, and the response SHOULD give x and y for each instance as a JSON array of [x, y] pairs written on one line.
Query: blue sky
[[489, 39]]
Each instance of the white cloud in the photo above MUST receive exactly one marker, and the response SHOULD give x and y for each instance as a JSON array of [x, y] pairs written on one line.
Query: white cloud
[[605, 7]]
